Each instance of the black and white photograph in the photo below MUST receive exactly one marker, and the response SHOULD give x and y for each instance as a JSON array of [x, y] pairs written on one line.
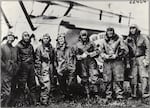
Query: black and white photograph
[[75, 53]]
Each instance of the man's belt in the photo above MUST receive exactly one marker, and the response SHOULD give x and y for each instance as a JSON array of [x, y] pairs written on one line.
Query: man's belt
[[139, 56], [112, 60]]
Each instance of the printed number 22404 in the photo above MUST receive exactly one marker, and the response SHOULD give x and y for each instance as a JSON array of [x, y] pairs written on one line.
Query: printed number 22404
[[137, 1]]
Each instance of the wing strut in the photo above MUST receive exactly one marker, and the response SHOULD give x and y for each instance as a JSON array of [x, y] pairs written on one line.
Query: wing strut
[[69, 9], [100, 15], [45, 9], [5, 18], [27, 16]]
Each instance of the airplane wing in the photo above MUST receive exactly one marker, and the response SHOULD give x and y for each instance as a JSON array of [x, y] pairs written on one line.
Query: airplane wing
[[100, 26], [69, 5], [79, 4], [82, 5]]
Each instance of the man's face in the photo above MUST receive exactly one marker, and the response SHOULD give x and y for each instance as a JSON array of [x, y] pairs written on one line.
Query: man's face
[[10, 39], [133, 30], [110, 34], [84, 37], [46, 39], [26, 37], [61, 40]]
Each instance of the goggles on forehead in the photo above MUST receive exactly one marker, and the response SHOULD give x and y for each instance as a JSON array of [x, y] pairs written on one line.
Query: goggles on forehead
[[11, 35], [26, 35], [132, 27], [60, 36], [4, 38], [84, 34], [45, 37], [110, 29]]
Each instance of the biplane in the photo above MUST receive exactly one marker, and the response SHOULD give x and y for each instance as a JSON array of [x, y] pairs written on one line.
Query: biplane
[[67, 17]]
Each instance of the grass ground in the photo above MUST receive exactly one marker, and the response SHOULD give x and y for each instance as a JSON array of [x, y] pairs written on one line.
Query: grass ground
[[79, 101], [82, 103]]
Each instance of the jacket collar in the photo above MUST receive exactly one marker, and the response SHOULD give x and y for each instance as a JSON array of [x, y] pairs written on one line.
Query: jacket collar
[[63, 47], [24, 43], [9, 45], [115, 38]]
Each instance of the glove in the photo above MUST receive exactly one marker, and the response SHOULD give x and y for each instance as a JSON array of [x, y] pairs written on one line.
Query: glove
[[9, 67], [84, 55], [37, 72], [92, 54], [145, 62], [60, 71], [113, 56], [128, 66], [80, 57], [106, 57]]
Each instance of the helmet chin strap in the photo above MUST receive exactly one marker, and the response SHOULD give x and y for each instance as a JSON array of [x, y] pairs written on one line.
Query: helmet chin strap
[[62, 44], [47, 44], [26, 42]]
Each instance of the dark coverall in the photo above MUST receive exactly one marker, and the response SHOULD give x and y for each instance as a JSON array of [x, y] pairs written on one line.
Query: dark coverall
[[26, 74], [87, 67], [44, 66], [9, 68], [113, 68], [66, 65], [139, 52]]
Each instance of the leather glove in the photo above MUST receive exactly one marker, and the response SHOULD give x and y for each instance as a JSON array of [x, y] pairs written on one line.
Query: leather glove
[[145, 62], [113, 56]]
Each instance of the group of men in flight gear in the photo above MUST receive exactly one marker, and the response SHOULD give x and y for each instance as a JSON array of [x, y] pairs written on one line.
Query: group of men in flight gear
[[20, 65]]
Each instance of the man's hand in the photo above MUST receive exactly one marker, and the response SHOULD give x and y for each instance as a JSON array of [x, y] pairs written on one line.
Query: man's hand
[[106, 56], [80, 57], [113, 56], [11, 61], [84, 55], [145, 62], [37, 72], [59, 72]]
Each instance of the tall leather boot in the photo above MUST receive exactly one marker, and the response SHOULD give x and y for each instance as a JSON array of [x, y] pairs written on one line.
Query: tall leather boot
[[134, 90], [85, 83], [34, 99], [143, 87]]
